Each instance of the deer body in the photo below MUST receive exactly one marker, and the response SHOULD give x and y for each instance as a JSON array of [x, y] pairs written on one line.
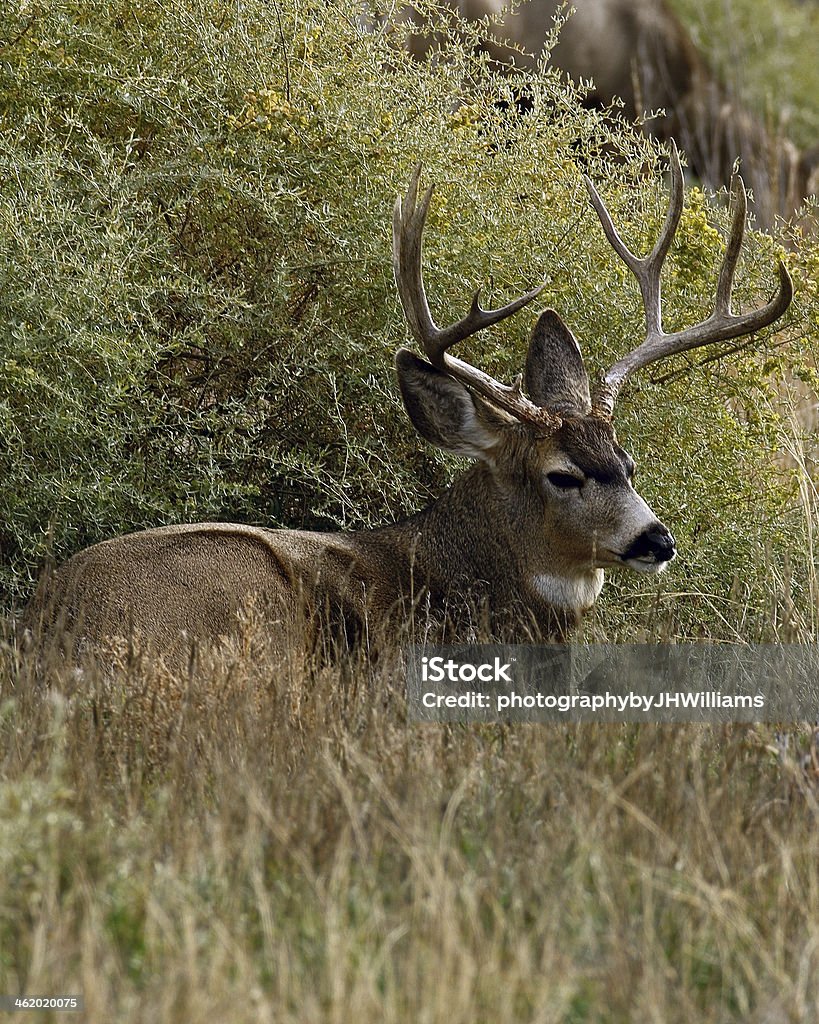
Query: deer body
[[614, 43], [516, 546], [473, 557], [640, 52]]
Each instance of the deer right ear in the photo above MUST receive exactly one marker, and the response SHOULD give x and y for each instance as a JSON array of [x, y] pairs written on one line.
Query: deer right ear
[[555, 375], [444, 412]]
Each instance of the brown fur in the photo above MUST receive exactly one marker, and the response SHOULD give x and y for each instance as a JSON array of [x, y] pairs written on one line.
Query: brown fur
[[466, 562], [197, 582]]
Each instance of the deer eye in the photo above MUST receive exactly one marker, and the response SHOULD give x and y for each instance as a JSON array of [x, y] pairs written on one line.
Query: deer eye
[[565, 481]]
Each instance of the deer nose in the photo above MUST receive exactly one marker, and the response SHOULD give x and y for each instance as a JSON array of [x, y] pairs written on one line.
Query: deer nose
[[655, 542]]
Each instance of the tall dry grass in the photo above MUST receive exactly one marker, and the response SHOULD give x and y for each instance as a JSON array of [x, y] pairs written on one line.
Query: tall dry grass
[[268, 839], [274, 842]]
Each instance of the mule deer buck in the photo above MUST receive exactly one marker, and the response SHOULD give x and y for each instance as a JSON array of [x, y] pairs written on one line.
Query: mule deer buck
[[523, 536], [640, 52]]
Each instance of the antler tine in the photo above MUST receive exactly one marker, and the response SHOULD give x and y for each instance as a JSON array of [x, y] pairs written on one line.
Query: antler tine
[[407, 229], [721, 325], [725, 282], [647, 269], [409, 218]]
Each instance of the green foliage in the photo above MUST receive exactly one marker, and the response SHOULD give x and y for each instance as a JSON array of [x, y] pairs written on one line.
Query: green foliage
[[765, 52], [197, 315]]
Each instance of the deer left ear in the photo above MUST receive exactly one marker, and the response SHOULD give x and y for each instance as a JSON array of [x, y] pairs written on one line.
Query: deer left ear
[[555, 375], [444, 412]]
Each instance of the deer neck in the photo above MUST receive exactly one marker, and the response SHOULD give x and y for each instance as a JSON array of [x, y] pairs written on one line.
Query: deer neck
[[477, 539], [576, 592]]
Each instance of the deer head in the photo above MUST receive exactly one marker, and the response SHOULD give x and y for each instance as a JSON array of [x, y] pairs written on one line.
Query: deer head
[[548, 440]]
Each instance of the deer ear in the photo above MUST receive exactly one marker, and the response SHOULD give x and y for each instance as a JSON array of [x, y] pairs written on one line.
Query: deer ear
[[444, 412], [555, 375]]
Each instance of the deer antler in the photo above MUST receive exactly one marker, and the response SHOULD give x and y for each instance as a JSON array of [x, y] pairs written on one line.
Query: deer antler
[[721, 325], [408, 227]]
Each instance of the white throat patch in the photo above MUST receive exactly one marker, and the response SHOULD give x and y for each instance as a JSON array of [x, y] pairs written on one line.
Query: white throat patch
[[576, 592]]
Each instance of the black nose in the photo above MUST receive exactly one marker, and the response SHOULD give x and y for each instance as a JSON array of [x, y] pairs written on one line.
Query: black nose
[[656, 542]]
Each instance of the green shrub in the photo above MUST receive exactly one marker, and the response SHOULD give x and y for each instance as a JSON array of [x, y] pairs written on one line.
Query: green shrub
[[765, 54], [197, 314]]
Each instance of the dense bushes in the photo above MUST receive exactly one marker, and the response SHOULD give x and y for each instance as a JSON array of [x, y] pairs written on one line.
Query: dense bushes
[[197, 315]]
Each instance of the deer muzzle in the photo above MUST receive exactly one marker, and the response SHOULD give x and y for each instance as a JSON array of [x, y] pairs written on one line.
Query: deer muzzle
[[651, 550]]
